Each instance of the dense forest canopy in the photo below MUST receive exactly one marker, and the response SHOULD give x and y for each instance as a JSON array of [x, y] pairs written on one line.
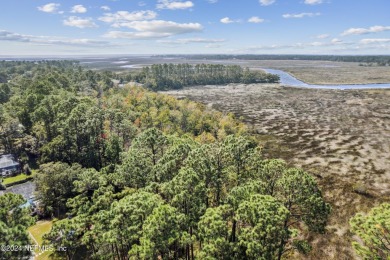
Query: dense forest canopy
[[171, 76], [132, 174]]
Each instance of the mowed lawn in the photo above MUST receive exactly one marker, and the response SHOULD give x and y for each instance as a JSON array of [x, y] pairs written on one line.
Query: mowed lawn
[[38, 231], [16, 178]]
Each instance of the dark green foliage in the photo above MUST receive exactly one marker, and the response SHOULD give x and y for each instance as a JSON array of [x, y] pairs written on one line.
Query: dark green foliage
[[3, 77], [373, 231], [65, 234], [300, 194], [261, 218], [14, 221], [151, 185], [5, 93], [55, 182], [162, 232], [214, 232], [302, 246], [175, 76]]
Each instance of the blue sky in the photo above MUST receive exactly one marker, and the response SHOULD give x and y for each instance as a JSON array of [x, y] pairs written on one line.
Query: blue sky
[[83, 27]]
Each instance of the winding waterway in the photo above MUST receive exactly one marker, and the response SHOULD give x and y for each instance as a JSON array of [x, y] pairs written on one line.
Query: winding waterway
[[288, 80]]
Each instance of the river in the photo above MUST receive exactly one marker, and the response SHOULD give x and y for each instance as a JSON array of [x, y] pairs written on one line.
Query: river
[[287, 79]]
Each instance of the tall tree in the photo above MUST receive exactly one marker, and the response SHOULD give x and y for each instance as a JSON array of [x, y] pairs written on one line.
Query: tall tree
[[14, 221], [129, 216], [188, 195], [65, 234], [137, 167], [373, 231], [261, 220], [214, 234], [161, 234], [55, 186], [299, 193]]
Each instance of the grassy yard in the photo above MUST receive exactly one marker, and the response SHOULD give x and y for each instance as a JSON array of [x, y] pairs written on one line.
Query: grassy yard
[[37, 231], [20, 177]]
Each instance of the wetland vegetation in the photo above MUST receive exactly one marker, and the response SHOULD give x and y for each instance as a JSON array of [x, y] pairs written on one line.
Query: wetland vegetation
[[339, 136], [106, 153]]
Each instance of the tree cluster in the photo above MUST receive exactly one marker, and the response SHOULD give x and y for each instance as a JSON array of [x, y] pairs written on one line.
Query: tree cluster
[[175, 76], [174, 198], [36, 102], [14, 221]]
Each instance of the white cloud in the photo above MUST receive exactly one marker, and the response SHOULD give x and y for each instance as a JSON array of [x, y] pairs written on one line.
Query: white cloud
[[255, 19], [105, 8], [227, 20], [125, 16], [301, 15], [267, 2], [336, 41], [213, 46], [371, 41], [78, 9], [333, 42], [313, 2], [161, 26], [80, 42], [174, 5], [15, 37], [212, 1], [49, 8], [154, 29], [322, 36], [318, 45], [10, 36], [267, 47], [372, 29], [135, 35], [79, 22], [192, 40], [141, 3]]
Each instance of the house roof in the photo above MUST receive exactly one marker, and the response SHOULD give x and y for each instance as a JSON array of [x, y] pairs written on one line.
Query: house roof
[[7, 160]]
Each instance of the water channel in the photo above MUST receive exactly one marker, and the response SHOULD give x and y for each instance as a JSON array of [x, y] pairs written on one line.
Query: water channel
[[289, 80]]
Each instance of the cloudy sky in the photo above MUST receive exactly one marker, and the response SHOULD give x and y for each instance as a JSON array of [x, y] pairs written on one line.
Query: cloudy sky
[[69, 27]]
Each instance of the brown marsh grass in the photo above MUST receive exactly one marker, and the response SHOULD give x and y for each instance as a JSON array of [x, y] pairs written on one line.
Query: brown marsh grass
[[341, 137]]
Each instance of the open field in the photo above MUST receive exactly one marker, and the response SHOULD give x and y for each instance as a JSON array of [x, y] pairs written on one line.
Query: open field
[[342, 137], [37, 232]]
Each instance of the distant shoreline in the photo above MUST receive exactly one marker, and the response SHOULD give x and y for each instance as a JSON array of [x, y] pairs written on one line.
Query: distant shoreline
[[291, 81]]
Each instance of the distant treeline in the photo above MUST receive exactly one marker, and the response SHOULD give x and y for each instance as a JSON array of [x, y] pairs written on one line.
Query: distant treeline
[[175, 76], [380, 60]]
